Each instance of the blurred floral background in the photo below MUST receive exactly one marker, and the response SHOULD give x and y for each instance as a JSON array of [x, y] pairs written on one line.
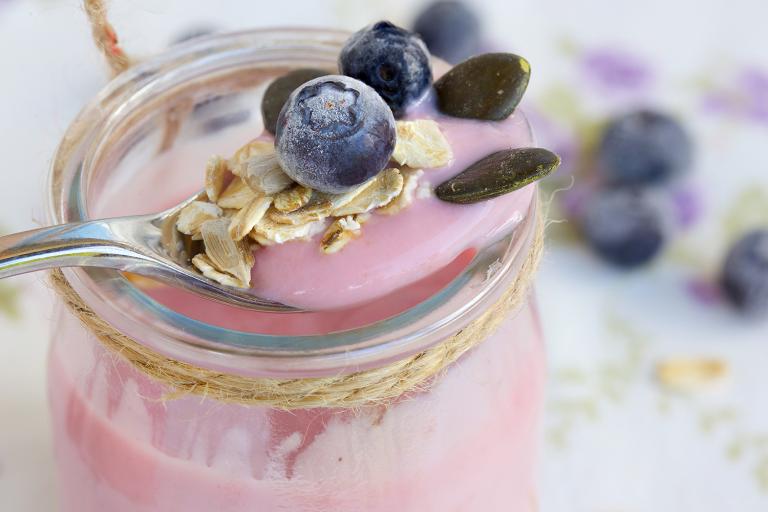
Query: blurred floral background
[[657, 371]]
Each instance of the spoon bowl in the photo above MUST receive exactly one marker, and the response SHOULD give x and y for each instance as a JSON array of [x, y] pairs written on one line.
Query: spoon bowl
[[148, 245]]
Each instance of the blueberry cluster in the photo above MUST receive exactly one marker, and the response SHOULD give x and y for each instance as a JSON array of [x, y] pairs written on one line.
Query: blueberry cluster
[[337, 131], [639, 153], [625, 220], [334, 132]]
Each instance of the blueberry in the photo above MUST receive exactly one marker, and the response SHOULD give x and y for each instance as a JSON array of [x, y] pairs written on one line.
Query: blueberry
[[451, 30], [644, 148], [333, 133], [392, 60], [745, 274], [623, 227]]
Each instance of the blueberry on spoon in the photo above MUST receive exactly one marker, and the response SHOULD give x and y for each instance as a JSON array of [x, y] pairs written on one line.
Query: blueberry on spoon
[[390, 59], [334, 133]]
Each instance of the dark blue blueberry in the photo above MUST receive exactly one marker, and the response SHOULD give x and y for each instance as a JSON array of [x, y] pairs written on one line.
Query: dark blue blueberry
[[644, 148], [451, 30], [333, 133], [623, 227], [745, 274], [392, 60]]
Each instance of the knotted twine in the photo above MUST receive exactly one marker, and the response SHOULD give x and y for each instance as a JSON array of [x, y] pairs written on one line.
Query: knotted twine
[[361, 388]]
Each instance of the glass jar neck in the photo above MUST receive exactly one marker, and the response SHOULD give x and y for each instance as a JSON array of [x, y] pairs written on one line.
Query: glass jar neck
[[126, 112]]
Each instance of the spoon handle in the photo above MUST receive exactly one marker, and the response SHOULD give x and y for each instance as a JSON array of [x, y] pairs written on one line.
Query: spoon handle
[[142, 245], [92, 244]]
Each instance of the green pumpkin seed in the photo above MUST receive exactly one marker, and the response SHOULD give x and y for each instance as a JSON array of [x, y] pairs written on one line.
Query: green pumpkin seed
[[498, 174], [488, 87]]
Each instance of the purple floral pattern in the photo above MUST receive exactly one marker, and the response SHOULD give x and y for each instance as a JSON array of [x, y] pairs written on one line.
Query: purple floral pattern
[[745, 96], [615, 70]]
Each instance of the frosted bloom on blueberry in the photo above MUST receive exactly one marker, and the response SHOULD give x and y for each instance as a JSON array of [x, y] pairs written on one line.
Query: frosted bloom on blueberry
[[334, 133]]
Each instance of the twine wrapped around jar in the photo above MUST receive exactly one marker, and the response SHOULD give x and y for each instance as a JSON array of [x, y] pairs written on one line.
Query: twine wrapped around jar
[[368, 387], [352, 390]]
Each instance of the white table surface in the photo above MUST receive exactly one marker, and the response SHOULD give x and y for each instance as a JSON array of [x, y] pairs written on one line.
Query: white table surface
[[613, 439]]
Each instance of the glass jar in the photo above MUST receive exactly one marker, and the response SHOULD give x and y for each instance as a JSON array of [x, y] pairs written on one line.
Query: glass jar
[[124, 442]]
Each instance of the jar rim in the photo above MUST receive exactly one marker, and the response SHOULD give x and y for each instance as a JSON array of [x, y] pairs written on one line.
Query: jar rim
[[128, 309]]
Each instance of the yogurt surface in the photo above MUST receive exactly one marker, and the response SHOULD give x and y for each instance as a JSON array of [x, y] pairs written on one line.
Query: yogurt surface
[[399, 261]]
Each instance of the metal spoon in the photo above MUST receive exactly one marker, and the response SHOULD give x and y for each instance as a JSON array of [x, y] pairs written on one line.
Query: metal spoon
[[148, 245]]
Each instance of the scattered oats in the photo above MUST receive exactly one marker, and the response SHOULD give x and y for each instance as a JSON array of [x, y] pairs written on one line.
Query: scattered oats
[[244, 220], [380, 191], [256, 163], [314, 211], [293, 198], [342, 231], [420, 143], [194, 215], [227, 255], [320, 205], [266, 242], [204, 264], [237, 195], [242, 155], [338, 201], [180, 246], [691, 374], [264, 204], [269, 232], [405, 197], [264, 175], [215, 172]]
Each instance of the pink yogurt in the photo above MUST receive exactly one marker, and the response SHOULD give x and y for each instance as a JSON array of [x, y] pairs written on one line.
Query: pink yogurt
[[428, 235], [467, 445]]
